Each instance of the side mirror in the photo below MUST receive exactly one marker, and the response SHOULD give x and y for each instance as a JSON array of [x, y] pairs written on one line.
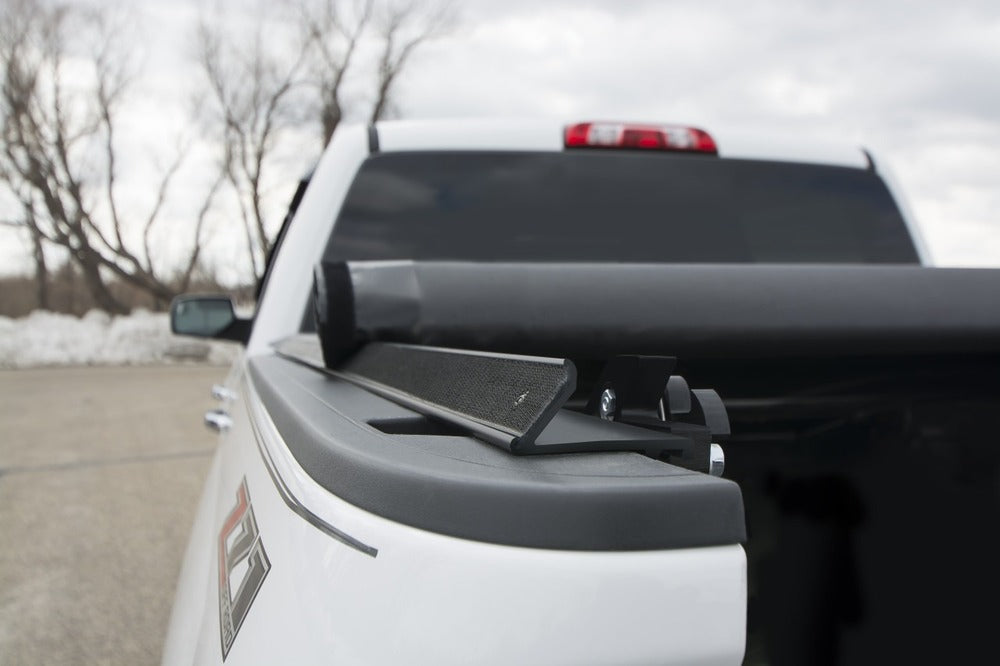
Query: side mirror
[[211, 316]]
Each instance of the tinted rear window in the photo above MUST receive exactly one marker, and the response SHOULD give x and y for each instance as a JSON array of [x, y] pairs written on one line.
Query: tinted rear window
[[615, 206]]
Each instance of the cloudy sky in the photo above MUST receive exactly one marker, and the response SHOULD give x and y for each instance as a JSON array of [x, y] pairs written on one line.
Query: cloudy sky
[[917, 82]]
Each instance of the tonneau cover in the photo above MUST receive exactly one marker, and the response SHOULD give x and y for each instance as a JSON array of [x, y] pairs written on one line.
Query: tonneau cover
[[689, 311]]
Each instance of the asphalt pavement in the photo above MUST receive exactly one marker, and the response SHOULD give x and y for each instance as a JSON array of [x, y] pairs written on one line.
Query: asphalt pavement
[[100, 473]]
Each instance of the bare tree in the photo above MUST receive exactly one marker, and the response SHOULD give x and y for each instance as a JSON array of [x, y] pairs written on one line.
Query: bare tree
[[404, 27], [27, 223], [252, 88], [259, 89], [58, 153], [394, 29], [333, 36]]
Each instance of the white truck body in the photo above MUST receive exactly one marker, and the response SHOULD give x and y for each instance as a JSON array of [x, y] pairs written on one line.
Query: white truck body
[[344, 585], [432, 599]]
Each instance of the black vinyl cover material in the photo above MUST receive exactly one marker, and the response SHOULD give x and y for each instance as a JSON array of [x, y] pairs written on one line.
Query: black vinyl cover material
[[689, 311], [347, 439]]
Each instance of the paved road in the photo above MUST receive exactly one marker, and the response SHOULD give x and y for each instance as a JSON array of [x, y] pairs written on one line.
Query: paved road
[[100, 472]]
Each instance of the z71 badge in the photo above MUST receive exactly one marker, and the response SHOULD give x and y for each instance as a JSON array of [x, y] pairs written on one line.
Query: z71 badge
[[243, 565]]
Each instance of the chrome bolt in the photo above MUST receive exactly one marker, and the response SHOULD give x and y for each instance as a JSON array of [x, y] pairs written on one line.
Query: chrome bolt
[[223, 394], [608, 405], [716, 460], [218, 420]]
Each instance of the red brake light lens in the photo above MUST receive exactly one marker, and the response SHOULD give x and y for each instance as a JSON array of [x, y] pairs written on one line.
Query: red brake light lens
[[644, 137]]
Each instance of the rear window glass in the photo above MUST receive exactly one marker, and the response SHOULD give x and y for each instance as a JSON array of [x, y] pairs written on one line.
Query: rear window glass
[[615, 206]]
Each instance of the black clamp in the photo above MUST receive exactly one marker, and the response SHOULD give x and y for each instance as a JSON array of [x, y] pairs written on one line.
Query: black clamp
[[643, 391]]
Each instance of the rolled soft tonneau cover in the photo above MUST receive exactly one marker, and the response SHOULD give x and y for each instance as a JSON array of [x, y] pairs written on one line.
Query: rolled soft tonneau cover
[[688, 310]]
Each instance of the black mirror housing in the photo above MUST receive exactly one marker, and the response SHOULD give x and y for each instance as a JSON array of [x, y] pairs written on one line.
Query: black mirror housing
[[208, 316]]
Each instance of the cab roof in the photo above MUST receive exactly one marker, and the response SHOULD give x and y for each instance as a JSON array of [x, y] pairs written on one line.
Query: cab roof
[[547, 135]]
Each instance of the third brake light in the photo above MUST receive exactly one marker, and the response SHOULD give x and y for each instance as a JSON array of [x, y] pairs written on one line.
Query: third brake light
[[646, 137]]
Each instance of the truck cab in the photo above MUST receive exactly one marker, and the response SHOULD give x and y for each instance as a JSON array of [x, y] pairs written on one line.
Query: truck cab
[[528, 191]]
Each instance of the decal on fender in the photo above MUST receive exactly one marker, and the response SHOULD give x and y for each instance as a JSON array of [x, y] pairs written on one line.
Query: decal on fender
[[243, 565]]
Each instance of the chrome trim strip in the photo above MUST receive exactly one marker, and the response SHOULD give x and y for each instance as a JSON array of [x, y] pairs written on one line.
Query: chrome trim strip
[[256, 411]]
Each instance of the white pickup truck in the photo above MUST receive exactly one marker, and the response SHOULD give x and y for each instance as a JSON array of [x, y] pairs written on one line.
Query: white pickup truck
[[462, 430]]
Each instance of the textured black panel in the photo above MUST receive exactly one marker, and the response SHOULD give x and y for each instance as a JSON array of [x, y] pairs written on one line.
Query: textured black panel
[[426, 383], [515, 396]]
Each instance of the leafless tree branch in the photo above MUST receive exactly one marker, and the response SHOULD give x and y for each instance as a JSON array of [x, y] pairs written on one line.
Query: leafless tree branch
[[49, 124], [333, 36], [251, 90], [195, 254], [404, 27], [161, 197]]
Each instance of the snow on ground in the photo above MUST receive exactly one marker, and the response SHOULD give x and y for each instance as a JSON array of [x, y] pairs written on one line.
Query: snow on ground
[[48, 339]]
